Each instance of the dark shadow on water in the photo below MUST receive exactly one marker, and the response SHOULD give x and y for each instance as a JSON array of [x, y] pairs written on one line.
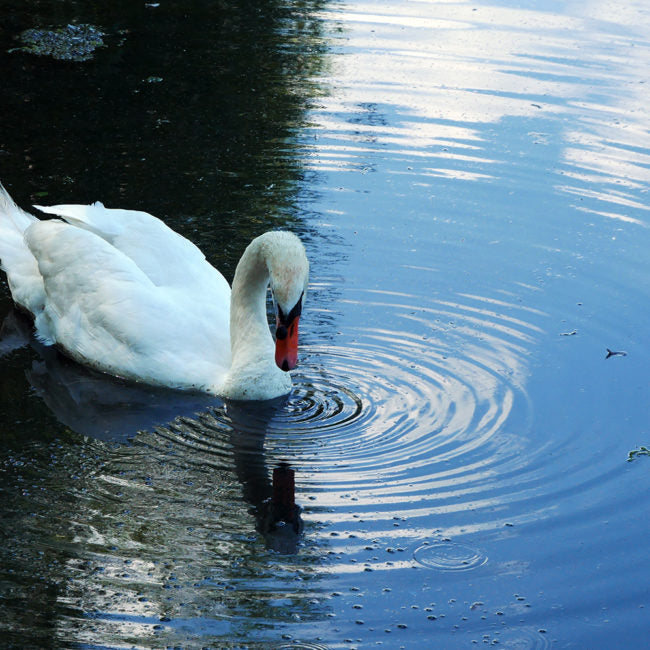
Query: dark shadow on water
[[91, 403], [114, 410], [165, 507], [188, 112]]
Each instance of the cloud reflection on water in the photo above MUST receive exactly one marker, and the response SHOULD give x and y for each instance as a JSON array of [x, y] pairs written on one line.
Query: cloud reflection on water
[[465, 68]]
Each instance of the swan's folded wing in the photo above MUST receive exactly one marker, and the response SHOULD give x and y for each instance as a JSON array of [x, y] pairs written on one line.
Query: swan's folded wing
[[167, 258], [84, 277], [105, 311]]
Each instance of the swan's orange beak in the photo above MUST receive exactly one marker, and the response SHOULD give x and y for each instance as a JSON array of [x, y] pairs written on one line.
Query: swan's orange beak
[[286, 344]]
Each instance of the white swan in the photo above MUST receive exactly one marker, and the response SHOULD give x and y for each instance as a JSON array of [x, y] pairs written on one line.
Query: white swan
[[120, 291]]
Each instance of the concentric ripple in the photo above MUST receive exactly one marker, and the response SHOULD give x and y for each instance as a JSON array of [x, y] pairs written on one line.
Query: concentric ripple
[[449, 556], [375, 404], [301, 646]]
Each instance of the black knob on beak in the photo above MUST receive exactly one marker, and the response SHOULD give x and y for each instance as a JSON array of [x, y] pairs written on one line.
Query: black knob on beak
[[281, 332]]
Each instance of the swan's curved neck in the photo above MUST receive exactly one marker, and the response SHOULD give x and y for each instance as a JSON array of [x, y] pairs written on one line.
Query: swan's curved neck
[[250, 337], [277, 257]]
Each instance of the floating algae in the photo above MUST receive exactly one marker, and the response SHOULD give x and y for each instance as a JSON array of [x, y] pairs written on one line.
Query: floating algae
[[635, 453], [69, 43]]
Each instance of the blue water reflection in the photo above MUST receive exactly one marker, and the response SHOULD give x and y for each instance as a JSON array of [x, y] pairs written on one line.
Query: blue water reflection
[[510, 187]]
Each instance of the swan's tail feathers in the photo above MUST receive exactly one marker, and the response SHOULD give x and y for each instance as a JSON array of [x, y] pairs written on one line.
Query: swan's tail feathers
[[13, 223], [16, 260], [12, 218]]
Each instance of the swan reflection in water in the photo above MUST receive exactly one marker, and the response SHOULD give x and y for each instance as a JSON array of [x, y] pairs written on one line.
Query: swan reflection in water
[[114, 410]]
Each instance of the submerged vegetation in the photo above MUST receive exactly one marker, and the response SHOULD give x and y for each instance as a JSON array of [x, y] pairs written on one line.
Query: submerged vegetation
[[69, 43]]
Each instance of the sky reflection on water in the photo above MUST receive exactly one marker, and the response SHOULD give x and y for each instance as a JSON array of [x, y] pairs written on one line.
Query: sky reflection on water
[[580, 89]]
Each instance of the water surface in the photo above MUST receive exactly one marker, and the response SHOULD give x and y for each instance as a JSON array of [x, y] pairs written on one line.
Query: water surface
[[471, 184]]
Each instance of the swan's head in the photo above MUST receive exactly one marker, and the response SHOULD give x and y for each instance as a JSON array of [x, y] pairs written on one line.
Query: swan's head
[[289, 274]]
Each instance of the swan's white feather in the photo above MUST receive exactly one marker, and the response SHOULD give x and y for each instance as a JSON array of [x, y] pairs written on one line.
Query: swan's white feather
[[103, 309], [121, 291], [166, 257]]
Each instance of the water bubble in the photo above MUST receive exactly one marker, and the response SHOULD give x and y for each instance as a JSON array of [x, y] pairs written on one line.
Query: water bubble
[[449, 556]]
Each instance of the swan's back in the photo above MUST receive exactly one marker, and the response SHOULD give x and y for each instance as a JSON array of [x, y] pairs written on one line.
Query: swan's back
[[166, 258]]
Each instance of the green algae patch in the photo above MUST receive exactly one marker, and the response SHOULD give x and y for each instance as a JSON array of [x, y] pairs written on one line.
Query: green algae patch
[[69, 43]]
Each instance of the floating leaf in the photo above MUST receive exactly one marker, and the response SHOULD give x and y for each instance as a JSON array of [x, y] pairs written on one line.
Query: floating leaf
[[635, 453]]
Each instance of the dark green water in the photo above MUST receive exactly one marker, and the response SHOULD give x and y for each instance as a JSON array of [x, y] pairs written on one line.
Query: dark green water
[[471, 183]]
